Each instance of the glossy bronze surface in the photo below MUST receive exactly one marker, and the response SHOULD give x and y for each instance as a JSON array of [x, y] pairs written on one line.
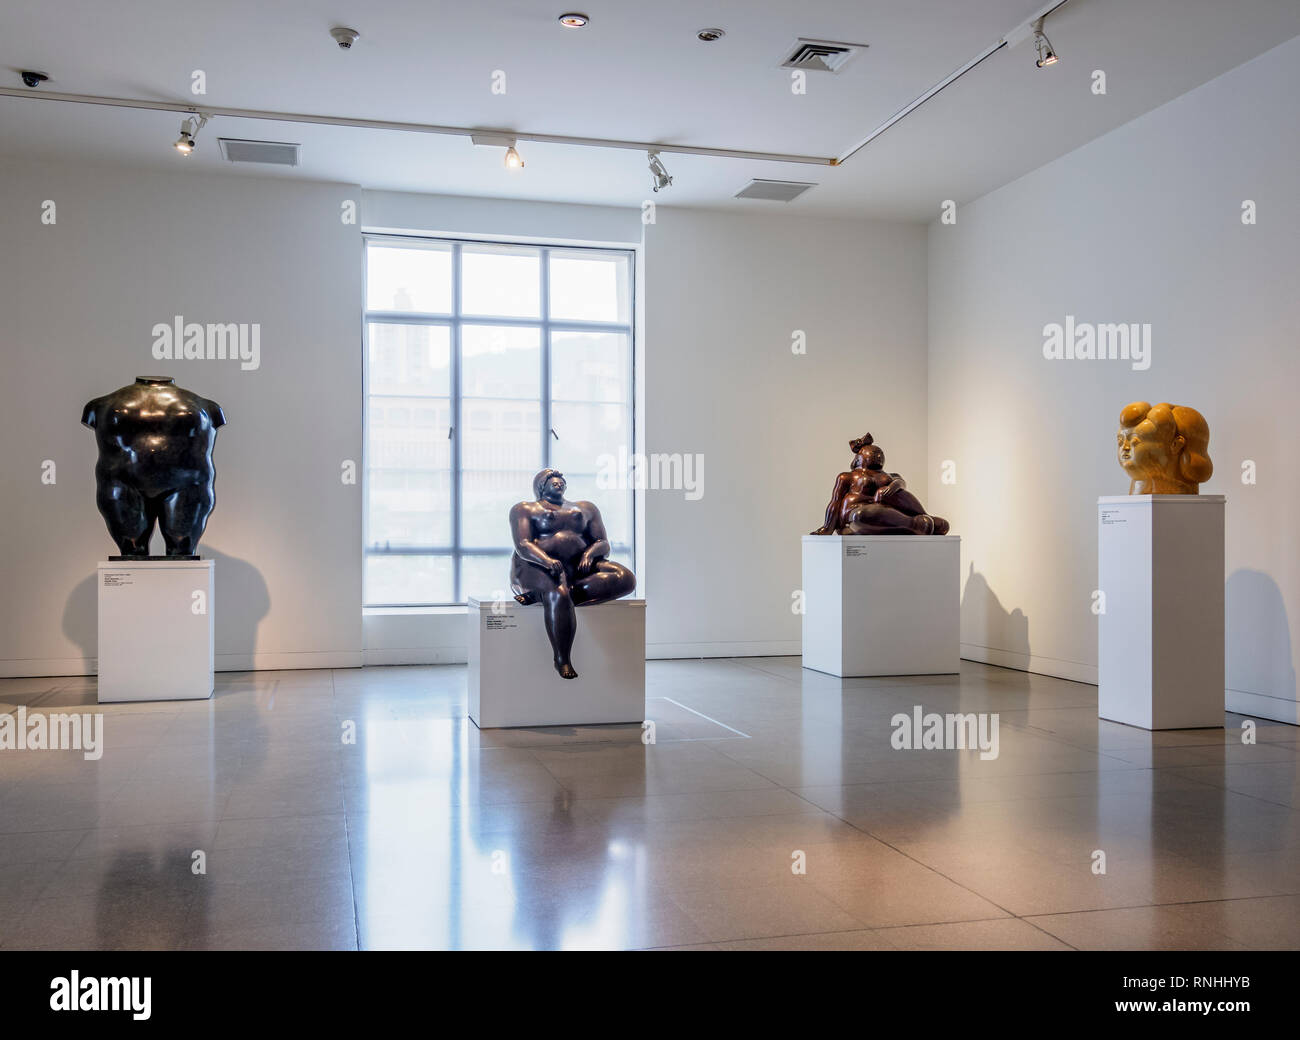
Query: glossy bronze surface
[[560, 561], [1164, 448], [155, 464], [867, 500]]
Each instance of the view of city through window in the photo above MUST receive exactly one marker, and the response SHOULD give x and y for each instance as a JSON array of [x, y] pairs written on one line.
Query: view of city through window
[[485, 364]]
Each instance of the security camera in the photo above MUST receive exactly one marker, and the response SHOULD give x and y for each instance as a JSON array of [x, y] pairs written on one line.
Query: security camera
[[33, 79], [344, 37]]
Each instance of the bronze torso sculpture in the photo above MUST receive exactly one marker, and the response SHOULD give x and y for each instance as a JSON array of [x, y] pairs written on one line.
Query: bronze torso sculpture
[[867, 500], [560, 561], [155, 464], [1164, 448]]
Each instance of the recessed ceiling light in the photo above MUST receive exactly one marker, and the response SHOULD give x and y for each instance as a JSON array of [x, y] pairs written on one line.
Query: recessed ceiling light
[[710, 35], [573, 20]]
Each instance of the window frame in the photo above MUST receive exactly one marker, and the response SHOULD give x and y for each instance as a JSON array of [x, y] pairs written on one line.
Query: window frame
[[454, 320]]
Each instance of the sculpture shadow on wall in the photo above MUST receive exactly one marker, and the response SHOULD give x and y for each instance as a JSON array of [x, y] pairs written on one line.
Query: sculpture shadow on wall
[[981, 610], [80, 618], [241, 595], [242, 601], [1258, 650]]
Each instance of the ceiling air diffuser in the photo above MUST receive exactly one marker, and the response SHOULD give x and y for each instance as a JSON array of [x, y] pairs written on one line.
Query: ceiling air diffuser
[[773, 191], [275, 153]]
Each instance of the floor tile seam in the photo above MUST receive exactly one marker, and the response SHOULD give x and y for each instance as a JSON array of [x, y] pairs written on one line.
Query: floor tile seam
[[926, 866], [873, 929], [347, 837], [765, 938], [789, 680], [1176, 905], [1236, 791]]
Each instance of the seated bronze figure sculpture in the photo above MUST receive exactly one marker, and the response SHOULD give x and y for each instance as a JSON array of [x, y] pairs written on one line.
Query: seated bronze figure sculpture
[[155, 464], [867, 500], [560, 561], [1164, 449]]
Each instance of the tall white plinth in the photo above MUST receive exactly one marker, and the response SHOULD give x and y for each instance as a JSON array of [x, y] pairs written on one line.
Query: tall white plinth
[[155, 630], [512, 681], [882, 604], [1160, 638]]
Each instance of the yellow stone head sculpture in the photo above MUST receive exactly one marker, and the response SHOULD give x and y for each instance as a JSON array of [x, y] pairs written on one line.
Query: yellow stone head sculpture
[[1164, 448]]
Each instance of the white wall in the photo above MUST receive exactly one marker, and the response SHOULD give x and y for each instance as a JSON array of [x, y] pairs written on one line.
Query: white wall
[[79, 299], [395, 211], [725, 294], [1141, 225]]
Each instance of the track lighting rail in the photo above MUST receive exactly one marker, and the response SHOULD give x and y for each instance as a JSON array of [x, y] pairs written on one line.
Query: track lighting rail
[[418, 128]]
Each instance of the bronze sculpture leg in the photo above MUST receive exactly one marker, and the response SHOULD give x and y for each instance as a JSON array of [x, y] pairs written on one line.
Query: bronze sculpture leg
[[905, 502], [126, 512], [182, 518], [608, 581], [560, 600], [877, 519], [558, 610]]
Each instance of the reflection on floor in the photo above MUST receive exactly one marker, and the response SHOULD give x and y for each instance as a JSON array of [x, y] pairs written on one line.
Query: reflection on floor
[[250, 821]]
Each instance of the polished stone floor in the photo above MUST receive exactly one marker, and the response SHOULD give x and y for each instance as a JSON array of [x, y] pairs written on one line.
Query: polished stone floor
[[425, 833]]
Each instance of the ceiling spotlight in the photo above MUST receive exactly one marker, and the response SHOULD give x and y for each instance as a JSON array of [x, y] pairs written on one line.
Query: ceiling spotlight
[[658, 171], [710, 35], [496, 139], [1046, 56], [190, 128], [573, 20]]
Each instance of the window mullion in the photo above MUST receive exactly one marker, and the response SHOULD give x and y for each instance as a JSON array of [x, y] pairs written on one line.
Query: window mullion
[[457, 438], [545, 275]]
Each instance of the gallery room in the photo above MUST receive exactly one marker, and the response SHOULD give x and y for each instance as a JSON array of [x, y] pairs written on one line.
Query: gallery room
[[676, 476]]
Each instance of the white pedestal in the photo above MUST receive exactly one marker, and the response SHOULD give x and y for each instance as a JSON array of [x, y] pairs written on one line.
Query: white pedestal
[[154, 643], [1160, 640], [882, 604], [512, 681]]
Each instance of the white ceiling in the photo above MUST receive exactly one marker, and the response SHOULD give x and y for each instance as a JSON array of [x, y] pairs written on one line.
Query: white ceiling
[[636, 72]]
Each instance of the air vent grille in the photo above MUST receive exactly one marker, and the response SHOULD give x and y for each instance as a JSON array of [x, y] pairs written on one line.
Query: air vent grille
[[276, 153], [773, 191], [821, 55]]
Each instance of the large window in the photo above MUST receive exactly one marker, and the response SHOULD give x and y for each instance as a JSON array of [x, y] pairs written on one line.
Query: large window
[[486, 363]]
